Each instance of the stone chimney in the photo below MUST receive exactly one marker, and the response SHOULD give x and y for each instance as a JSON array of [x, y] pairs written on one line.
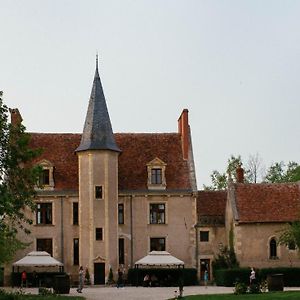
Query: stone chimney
[[183, 130], [15, 116], [240, 174]]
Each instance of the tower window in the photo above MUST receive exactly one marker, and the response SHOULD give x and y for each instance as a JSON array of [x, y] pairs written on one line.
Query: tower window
[[75, 213], [98, 192], [157, 213], [99, 234], [121, 252], [76, 252], [121, 213]]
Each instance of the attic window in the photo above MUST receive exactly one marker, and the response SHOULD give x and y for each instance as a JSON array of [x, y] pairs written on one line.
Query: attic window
[[46, 180], [156, 174]]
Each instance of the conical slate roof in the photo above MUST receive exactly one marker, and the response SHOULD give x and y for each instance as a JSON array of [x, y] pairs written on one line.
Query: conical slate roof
[[97, 131]]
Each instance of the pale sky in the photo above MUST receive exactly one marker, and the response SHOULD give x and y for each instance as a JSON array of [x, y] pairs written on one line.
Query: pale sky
[[234, 64]]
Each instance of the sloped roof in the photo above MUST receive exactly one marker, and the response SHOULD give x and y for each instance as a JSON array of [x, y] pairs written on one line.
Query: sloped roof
[[138, 149], [159, 258], [38, 259], [211, 203], [97, 131], [267, 202]]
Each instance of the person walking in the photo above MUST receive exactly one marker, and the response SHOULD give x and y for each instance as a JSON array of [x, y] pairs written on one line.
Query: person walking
[[252, 276], [81, 280]]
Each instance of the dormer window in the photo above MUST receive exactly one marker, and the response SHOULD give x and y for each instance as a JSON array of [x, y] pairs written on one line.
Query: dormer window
[[156, 174], [46, 180]]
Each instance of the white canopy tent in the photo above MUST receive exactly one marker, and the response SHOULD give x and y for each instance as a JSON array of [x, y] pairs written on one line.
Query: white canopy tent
[[159, 259], [37, 259]]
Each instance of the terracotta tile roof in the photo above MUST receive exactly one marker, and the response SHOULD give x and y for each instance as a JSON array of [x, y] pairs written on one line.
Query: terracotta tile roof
[[137, 151], [211, 203], [267, 202]]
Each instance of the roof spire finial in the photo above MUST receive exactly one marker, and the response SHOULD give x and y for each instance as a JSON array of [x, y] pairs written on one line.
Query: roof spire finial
[[97, 60]]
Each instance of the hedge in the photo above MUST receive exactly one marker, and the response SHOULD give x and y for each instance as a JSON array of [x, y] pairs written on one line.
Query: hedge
[[166, 277], [228, 277]]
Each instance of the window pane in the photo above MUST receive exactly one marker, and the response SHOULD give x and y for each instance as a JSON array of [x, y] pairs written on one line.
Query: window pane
[[157, 213], [98, 192], [121, 252], [156, 176], [76, 251], [44, 245], [204, 236], [75, 213], [99, 234], [44, 213], [157, 244], [121, 213]]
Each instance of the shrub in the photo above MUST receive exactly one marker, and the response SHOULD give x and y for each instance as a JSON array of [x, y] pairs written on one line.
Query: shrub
[[228, 277], [240, 288]]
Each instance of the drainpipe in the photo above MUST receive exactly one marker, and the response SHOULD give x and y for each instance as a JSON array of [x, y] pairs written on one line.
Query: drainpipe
[[62, 229], [131, 233], [197, 249]]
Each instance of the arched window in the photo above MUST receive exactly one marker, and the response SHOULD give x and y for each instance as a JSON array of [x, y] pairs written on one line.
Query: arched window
[[273, 248]]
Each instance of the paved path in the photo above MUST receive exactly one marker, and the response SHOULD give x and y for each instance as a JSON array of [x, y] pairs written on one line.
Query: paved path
[[141, 293]]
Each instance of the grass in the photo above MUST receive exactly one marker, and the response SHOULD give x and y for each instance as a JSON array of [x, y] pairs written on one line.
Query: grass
[[265, 296]]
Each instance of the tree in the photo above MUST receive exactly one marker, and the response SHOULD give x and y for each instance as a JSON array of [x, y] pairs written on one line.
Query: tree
[[279, 172], [290, 235], [17, 181], [219, 180], [254, 168]]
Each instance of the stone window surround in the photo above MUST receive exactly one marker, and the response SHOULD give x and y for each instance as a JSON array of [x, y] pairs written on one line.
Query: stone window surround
[[47, 165], [166, 211], [156, 163]]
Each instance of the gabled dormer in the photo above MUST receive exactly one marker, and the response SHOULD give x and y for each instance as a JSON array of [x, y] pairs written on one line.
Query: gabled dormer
[[156, 174], [46, 180]]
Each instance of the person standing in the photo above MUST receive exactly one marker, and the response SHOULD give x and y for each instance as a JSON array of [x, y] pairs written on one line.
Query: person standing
[[120, 279], [23, 279], [205, 278], [81, 280]]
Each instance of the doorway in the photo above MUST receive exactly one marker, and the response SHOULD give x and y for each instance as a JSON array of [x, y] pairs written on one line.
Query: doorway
[[204, 266], [99, 271]]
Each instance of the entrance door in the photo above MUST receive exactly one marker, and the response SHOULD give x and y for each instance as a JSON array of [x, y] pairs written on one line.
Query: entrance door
[[99, 271], [204, 266]]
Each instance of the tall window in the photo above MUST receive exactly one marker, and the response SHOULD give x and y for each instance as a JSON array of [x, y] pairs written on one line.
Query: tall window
[[44, 245], [75, 213], [204, 236], [98, 192], [45, 177], [156, 176], [99, 234], [157, 213], [157, 244], [44, 213], [273, 248], [121, 252], [121, 213], [76, 252]]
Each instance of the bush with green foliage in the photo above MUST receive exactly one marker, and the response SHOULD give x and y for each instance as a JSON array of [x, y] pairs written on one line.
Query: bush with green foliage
[[240, 288], [110, 279], [228, 277]]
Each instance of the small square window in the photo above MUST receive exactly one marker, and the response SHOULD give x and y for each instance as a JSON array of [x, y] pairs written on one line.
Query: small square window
[[99, 234], [157, 244], [204, 236], [98, 192]]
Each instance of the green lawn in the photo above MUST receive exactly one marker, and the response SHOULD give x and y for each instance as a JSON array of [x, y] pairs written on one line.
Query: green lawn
[[264, 296]]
